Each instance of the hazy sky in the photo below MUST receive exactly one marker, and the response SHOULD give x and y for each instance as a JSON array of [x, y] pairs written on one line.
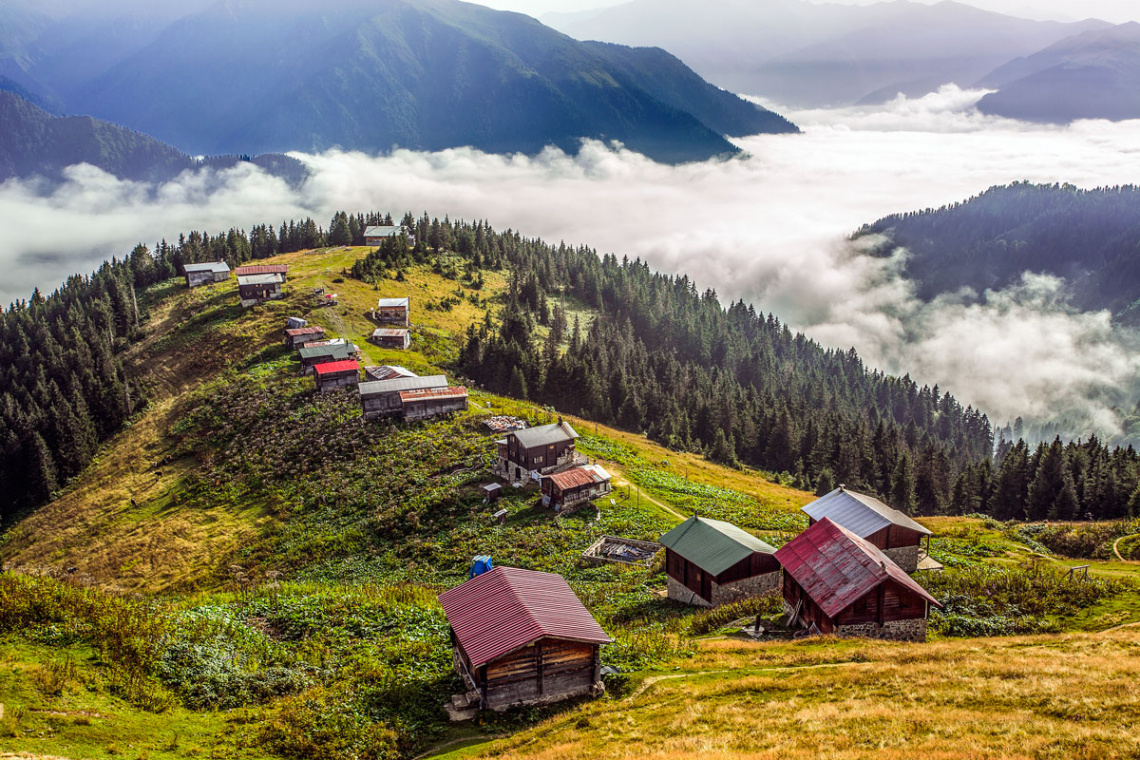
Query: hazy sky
[[1117, 11]]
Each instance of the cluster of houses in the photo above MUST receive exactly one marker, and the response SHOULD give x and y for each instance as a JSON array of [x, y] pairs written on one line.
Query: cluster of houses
[[847, 574], [256, 282]]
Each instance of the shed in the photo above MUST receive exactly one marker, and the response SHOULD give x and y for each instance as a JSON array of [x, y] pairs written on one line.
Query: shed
[[332, 352], [281, 271], [522, 637], [491, 492], [710, 562], [387, 372], [255, 288], [332, 376], [432, 402], [392, 337], [393, 311], [377, 234], [203, 274], [383, 396], [299, 336], [896, 534], [542, 449], [570, 489], [844, 584], [292, 323]]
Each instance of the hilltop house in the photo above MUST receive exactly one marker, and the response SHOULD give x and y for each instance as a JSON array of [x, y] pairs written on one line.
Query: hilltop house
[[299, 336], [332, 376], [392, 311], [280, 271], [255, 288], [540, 449], [375, 235], [709, 562], [204, 274], [521, 637], [382, 397], [322, 354], [898, 536], [432, 402], [570, 489], [843, 584], [392, 337]]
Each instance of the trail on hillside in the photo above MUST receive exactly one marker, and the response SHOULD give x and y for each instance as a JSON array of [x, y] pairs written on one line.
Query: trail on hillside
[[1116, 548], [634, 488]]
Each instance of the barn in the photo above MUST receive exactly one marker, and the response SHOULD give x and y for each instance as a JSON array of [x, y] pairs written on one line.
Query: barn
[[204, 274], [898, 536], [392, 337], [383, 396], [521, 637], [709, 562], [330, 352], [332, 376], [569, 489], [299, 336], [839, 583], [255, 288], [393, 311], [542, 449], [432, 402]]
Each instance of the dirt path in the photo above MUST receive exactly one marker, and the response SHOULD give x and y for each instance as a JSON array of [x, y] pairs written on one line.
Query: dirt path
[[634, 489], [1116, 548]]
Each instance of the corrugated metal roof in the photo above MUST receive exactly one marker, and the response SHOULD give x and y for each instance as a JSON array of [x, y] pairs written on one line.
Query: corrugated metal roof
[[382, 231], [836, 567], [258, 279], [500, 611], [298, 332], [399, 384], [859, 513], [389, 303], [210, 266], [545, 435], [712, 545], [335, 350], [458, 391], [389, 332], [263, 269], [587, 475], [329, 368], [388, 372]]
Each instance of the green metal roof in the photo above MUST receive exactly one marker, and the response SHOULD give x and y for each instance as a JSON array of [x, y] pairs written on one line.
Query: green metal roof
[[712, 545]]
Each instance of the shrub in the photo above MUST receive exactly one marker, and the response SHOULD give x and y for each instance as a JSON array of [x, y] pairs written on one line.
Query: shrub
[[324, 724], [707, 621]]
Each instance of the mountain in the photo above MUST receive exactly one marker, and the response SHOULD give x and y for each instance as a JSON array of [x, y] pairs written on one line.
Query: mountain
[[1094, 75], [253, 76], [36, 143], [803, 54], [1088, 237]]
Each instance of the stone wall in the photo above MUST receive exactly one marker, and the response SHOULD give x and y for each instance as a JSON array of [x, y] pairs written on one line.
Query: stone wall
[[758, 585], [897, 630], [905, 557], [681, 593]]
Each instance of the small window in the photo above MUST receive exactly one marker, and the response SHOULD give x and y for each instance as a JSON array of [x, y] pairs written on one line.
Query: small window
[[538, 460]]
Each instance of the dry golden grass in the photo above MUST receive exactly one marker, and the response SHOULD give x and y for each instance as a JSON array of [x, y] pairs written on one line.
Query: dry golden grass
[[1061, 697]]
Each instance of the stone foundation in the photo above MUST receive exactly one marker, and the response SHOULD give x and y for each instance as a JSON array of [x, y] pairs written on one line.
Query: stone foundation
[[758, 585], [895, 630], [905, 557]]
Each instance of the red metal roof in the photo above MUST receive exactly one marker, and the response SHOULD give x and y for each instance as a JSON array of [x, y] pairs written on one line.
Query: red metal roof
[[835, 567], [457, 391], [330, 367], [573, 478], [299, 331], [262, 269], [507, 608]]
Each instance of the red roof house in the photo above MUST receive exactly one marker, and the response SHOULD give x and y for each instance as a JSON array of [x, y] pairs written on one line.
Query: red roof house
[[521, 637], [331, 376], [843, 584]]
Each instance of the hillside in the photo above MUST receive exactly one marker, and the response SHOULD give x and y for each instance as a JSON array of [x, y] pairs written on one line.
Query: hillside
[[1093, 75]]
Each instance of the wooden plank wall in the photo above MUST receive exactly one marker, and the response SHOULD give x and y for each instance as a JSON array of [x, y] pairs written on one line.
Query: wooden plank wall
[[548, 669]]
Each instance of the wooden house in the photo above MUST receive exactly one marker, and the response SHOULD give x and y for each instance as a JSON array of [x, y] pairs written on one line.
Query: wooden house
[[330, 352], [567, 490], [540, 449], [393, 311], [392, 337], [332, 376], [376, 235], [204, 274], [280, 271], [521, 637], [843, 584], [292, 323], [898, 536], [382, 397], [256, 288], [432, 402], [387, 372], [709, 562], [299, 336]]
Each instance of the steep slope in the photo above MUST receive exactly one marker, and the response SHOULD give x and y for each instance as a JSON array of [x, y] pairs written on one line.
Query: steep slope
[[1094, 75]]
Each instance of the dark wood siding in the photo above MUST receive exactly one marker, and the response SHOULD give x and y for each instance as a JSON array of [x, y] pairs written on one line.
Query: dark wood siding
[[688, 575], [755, 564], [885, 603], [809, 611], [549, 669]]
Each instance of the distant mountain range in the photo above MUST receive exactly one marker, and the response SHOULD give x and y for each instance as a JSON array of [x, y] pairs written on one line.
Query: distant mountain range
[[255, 76]]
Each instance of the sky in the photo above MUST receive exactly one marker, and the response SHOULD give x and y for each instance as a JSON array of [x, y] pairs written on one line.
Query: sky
[[771, 228]]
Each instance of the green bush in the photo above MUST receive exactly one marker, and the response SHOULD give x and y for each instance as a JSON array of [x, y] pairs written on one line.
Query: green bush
[[327, 724], [707, 621]]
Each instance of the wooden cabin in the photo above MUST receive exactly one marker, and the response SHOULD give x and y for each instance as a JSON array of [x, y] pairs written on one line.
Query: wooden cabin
[[899, 537], [332, 376], [393, 311], [382, 397], [569, 489], [256, 288], [299, 336], [432, 402], [387, 372], [376, 235], [540, 449], [280, 271], [204, 274], [311, 356], [709, 562], [392, 337], [521, 637], [843, 584]]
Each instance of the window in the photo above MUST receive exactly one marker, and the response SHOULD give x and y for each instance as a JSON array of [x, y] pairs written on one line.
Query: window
[[538, 460]]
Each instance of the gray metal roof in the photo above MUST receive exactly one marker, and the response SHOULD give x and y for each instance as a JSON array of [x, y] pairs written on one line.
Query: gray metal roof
[[384, 231], [259, 279], [388, 303], [209, 266], [398, 384], [335, 350], [859, 513], [545, 435], [712, 545]]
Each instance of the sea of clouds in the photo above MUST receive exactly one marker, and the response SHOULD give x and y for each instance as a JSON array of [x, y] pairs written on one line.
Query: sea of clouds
[[771, 228]]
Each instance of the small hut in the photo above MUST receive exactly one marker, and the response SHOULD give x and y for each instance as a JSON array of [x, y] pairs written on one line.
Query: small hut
[[256, 288], [521, 637], [322, 354], [392, 337], [204, 274], [387, 372], [845, 585], [393, 311], [569, 489], [432, 402], [898, 536], [375, 235], [383, 396], [299, 336], [332, 376], [709, 562]]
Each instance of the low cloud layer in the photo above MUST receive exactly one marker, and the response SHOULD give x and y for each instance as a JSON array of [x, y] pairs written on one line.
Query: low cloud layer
[[771, 228]]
